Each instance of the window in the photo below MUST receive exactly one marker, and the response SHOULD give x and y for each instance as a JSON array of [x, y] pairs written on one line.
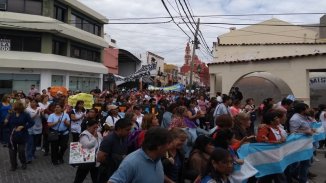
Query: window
[[85, 84], [32, 44], [59, 47], [16, 6], [33, 7], [26, 6], [22, 40], [76, 21], [57, 80], [85, 24], [85, 52], [59, 13], [97, 30]]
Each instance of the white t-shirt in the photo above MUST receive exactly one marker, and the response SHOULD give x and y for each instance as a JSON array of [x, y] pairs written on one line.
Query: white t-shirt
[[140, 119], [43, 106], [111, 122], [37, 127]]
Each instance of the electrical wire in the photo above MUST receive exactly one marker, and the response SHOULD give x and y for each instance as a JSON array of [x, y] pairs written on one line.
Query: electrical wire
[[193, 20], [166, 8], [182, 18]]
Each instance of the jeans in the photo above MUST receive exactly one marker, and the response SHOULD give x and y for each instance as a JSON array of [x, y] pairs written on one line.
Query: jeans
[[13, 150], [58, 148], [30, 148], [32, 143], [303, 171]]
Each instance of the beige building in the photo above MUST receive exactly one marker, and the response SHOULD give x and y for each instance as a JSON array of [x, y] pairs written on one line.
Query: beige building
[[281, 53]]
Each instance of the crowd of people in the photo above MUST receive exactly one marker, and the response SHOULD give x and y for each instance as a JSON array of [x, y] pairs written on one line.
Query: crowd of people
[[154, 136]]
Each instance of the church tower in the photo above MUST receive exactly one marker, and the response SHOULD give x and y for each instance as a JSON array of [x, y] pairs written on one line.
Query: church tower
[[187, 55]]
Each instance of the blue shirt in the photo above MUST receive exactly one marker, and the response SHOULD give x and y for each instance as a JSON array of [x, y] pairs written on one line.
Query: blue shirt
[[61, 127], [4, 110], [137, 167]]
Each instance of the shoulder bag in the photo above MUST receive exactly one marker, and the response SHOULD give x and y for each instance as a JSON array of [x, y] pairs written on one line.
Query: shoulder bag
[[54, 134]]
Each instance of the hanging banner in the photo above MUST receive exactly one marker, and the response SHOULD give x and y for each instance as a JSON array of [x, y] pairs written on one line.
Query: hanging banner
[[143, 71], [178, 87]]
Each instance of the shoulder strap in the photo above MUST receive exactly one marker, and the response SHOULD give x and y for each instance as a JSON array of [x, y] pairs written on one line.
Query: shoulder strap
[[60, 121]]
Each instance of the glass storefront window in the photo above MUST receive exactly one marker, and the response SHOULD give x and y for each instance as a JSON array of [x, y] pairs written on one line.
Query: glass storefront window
[[57, 80], [84, 84], [10, 82]]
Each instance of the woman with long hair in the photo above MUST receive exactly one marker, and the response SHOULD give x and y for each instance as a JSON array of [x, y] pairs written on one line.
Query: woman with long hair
[[18, 122], [77, 116], [220, 166], [60, 122], [199, 157]]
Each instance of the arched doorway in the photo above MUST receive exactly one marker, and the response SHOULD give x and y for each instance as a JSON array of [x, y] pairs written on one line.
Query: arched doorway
[[261, 85]]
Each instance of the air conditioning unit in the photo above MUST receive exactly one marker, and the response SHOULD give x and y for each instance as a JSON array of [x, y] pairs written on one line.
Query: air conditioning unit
[[3, 6]]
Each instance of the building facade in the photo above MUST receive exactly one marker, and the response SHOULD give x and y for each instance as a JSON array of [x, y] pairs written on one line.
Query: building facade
[[172, 73], [283, 54], [50, 42]]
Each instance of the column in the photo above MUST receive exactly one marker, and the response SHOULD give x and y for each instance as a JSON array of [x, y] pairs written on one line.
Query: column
[[66, 80], [45, 80]]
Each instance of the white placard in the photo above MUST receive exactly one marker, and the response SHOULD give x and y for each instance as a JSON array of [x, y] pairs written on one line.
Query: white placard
[[79, 155], [5, 44]]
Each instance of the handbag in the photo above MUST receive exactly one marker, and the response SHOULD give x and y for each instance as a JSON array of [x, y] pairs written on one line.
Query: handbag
[[54, 134]]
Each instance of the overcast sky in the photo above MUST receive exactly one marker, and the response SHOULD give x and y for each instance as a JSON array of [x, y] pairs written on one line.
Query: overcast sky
[[168, 41]]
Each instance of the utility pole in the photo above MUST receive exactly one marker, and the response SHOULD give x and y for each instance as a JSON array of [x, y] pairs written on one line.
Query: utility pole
[[195, 45]]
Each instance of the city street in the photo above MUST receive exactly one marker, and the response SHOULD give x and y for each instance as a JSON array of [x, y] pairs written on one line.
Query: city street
[[42, 171]]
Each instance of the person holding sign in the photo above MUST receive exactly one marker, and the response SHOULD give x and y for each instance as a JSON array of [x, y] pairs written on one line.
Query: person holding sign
[[89, 138]]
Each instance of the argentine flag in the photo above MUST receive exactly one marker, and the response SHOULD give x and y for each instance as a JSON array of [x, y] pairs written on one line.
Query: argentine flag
[[274, 158], [242, 173], [320, 131]]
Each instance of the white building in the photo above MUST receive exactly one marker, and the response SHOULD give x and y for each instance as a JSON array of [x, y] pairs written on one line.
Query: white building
[[152, 57], [50, 43]]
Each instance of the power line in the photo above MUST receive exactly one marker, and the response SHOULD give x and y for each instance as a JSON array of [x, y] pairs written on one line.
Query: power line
[[261, 24], [146, 33], [182, 18], [200, 32], [166, 8], [219, 15]]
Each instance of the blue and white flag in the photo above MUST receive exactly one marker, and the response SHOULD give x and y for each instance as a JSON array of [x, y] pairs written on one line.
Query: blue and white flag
[[320, 131], [274, 158], [242, 172]]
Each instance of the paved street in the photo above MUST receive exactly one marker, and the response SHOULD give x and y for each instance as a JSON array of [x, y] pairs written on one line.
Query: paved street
[[41, 171]]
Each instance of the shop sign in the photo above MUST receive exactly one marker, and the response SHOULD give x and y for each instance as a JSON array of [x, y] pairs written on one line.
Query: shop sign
[[5, 45]]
